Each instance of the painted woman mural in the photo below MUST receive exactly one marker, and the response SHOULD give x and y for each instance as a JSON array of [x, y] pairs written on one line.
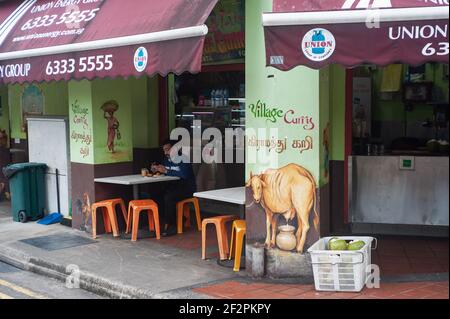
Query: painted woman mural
[[109, 108]]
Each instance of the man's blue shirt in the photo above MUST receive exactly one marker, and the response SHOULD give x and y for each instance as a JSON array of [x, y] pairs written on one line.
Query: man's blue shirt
[[182, 170]]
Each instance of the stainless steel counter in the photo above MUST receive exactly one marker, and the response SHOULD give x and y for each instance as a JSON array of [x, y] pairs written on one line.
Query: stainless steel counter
[[380, 191]]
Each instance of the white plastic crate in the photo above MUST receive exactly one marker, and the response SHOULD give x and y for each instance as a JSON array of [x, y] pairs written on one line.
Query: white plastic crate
[[341, 270]]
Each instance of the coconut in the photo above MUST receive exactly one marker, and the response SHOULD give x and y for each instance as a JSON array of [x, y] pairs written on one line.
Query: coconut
[[337, 244], [356, 245]]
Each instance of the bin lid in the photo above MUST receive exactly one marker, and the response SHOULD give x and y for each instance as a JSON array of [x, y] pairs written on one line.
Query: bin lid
[[10, 170]]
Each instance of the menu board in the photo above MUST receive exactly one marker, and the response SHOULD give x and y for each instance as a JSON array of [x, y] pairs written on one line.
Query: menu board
[[225, 41]]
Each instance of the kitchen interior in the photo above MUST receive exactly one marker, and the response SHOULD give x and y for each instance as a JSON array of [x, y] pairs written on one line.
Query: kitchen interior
[[398, 173], [216, 97]]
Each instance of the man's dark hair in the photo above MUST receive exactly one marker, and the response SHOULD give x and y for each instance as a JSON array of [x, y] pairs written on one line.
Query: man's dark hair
[[169, 142]]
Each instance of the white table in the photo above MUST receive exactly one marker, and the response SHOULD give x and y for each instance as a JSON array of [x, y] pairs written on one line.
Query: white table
[[135, 181], [229, 195]]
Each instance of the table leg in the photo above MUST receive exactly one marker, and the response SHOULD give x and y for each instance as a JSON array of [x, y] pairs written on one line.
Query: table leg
[[136, 192], [242, 212]]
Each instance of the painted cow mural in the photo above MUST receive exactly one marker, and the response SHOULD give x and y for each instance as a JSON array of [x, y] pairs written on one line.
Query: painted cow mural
[[289, 191]]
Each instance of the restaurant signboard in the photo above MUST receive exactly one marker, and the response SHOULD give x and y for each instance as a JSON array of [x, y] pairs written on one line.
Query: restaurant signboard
[[352, 32], [45, 40]]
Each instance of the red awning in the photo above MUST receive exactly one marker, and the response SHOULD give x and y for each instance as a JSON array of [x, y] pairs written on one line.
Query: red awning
[[48, 40], [7, 8], [316, 33]]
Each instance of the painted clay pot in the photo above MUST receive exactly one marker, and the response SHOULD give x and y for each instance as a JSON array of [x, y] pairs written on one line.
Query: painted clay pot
[[286, 239]]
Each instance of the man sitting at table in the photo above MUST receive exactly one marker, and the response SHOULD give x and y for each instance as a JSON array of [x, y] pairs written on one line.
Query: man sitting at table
[[180, 190]]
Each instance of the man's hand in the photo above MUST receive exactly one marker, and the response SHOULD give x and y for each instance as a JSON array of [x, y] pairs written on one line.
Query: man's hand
[[162, 169]]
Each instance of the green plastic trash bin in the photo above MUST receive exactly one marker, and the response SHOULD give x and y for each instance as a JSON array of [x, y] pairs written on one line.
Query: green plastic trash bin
[[27, 188]]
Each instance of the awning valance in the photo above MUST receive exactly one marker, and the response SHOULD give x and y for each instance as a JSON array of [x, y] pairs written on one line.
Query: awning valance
[[316, 33], [43, 40]]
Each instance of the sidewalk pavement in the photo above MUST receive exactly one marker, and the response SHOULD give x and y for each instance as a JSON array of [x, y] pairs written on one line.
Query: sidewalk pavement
[[436, 289], [117, 268], [172, 268]]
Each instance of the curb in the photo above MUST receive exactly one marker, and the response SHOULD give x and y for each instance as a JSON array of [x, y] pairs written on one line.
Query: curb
[[87, 281], [117, 290]]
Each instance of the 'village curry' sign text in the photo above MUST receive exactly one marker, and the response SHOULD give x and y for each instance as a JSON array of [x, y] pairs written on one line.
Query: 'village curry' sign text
[[273, 114]]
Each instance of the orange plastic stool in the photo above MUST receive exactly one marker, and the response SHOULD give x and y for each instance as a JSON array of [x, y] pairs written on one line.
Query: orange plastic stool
[[239, 229], [183, 210], [109, 215], [134, 210], [222, 238]]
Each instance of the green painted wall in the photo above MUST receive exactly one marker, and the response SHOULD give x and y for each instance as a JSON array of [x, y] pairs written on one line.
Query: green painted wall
[[137, 116], [4, 113], [393, 110], [140, 111], [142, 97], [55, 99], [145, 111], [81, 125], [298, 89], [153, 115], [119, 90], [4, 107], [382, 110]]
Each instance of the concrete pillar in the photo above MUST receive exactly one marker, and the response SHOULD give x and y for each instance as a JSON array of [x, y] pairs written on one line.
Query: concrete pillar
[[101, 146], [296, 104]]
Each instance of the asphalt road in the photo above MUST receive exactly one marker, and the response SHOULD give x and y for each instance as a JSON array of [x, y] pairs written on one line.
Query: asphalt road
[[19, 284]]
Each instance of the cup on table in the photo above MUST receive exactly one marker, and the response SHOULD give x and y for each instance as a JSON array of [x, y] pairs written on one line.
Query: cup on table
[[144, 172], [375, 149], [369, 149], [381, 149]]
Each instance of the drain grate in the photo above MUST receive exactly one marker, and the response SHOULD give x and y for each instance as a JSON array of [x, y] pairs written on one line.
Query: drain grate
[[57, 241]]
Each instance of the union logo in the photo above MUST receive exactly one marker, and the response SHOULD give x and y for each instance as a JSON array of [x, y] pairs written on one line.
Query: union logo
[[140, 59], [318, 44]]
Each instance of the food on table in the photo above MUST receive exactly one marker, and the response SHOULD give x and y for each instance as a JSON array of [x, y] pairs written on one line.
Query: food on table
[[356, 245], [144, 172]]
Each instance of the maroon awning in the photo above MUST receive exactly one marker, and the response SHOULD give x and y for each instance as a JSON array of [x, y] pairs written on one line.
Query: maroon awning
[[316, 33], [84, 39], [7, 8]]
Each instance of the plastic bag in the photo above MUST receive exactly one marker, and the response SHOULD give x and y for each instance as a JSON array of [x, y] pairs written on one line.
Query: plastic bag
[[53, 218]]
